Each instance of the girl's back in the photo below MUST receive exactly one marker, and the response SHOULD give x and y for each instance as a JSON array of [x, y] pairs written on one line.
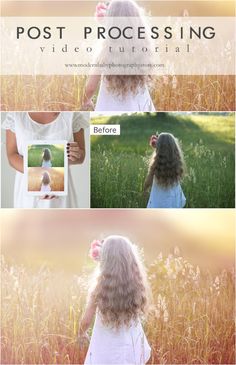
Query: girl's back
[[138, 101], [126, 345], [47, 164], [171, 197], [166, 170], [118, 301]]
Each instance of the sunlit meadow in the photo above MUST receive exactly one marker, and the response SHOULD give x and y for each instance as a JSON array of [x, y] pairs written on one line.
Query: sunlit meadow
[[46, 273], [119, 164], [170, 93], [190, 319]]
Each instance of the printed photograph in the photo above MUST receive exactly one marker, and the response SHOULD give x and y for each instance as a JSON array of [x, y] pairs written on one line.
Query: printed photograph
[[118, 287], [47, 156], [45, 169], [39, 170], [164, 160], [46, 180]]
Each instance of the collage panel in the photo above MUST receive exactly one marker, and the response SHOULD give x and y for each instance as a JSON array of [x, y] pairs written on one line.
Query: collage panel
[[173, 271], [164, 160], [45, 160], [162, 90]]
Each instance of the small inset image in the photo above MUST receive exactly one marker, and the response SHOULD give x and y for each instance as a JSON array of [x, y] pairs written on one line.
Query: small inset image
[[46, 167], [46, 155], [46, 181], [164, 160]]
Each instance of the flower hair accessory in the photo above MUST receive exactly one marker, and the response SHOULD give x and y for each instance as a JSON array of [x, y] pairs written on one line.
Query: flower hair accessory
[[153, 141], [95, 250], [101, 9]]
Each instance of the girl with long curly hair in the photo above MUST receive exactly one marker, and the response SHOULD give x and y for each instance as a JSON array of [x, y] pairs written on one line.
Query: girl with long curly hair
[[166, 169], [118, 301], [119, 92], [47, 158]]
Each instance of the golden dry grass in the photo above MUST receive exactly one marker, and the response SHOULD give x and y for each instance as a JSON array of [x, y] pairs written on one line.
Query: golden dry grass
[[57, 93], [190, 321], [35, 178]]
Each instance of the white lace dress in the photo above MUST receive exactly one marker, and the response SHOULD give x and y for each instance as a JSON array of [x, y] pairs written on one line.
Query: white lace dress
[[128, 345], [26, 129], [141, 101]]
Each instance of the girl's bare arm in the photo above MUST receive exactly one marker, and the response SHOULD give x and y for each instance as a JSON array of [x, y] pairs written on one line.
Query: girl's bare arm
[[14, 158], [87, 318], [90, 89]]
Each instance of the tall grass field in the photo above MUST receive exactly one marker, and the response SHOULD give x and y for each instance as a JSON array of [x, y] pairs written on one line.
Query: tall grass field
[[190, 319], [119, 164], [57, 176], [58, 93]]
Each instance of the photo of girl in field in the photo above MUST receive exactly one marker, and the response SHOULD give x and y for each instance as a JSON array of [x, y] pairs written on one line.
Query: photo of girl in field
[[118, 287], [45, 183], [164, 160], [46, 158], [100, 92]]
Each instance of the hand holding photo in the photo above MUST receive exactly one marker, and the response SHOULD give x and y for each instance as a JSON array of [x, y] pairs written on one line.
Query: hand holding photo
[[74, 152], [46, 166]]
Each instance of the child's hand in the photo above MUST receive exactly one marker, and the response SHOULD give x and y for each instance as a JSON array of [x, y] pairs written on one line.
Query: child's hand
[[73, 151], [153, 141], [83, 340], [88, 106]]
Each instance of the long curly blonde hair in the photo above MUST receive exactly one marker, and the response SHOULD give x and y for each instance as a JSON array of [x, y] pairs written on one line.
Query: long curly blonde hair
[[121, 85], [121, 291], [46, 178], [167, 162], [47, 155]]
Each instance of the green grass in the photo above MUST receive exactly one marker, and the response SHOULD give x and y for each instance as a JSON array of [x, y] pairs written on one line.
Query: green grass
[[35, 153], [119, 163]]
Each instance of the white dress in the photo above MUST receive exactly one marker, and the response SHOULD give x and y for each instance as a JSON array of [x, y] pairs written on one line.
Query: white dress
[[26, 129], [141, 101], [46, 164], [127, 345], [160, 197], [45, 188]]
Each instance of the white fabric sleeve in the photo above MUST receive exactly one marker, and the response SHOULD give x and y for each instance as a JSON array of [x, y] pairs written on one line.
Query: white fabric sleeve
[[9, 122], [80, 121]]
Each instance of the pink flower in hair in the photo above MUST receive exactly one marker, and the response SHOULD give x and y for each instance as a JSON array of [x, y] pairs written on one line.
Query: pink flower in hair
[[101, 10], [153, 141], [95, 250]]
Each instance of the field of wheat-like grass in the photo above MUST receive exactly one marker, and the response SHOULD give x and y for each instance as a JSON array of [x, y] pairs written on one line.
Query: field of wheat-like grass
[[56, 178], [169, 93], [191, 317]]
